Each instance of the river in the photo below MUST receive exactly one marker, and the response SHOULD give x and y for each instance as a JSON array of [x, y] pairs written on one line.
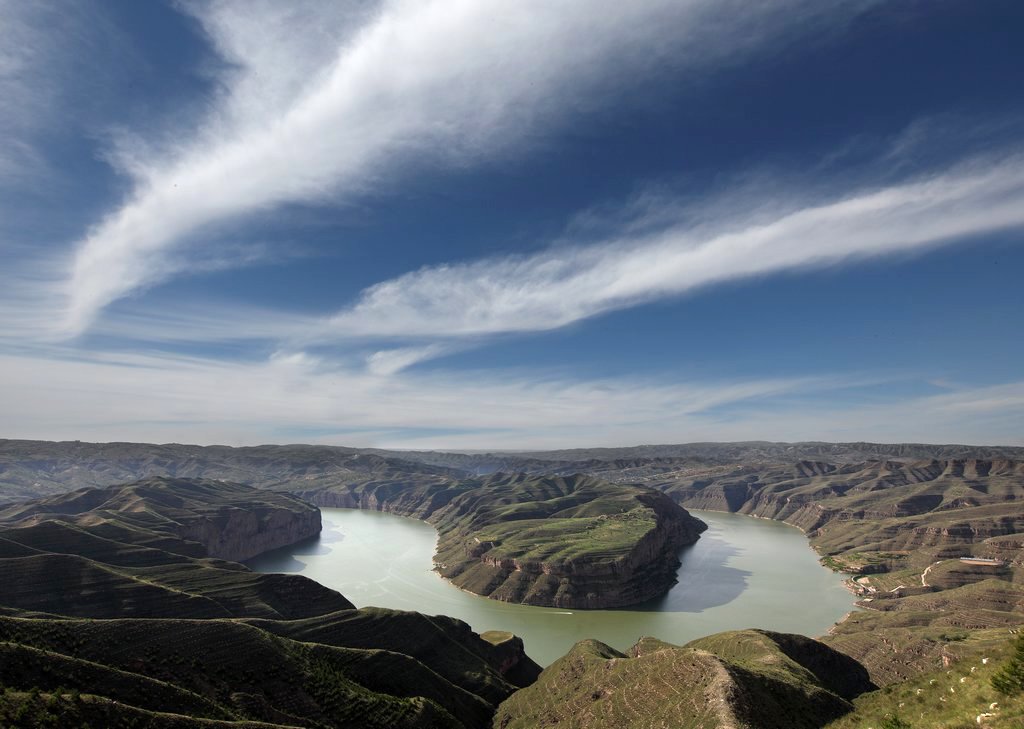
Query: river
[[742, 573]]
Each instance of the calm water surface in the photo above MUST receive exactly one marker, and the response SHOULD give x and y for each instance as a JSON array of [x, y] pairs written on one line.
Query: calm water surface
[[742, 573]]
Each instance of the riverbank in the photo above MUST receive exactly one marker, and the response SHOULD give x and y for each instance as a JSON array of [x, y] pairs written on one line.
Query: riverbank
[[741, 573]]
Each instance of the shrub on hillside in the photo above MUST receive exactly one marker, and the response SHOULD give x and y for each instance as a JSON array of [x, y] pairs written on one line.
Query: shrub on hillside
[[893, 721], [1009, 680]]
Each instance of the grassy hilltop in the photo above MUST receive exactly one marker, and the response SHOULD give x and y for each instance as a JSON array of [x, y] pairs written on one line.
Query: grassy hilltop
[[112, 616], [956, 697], [565, 541], [738, 679]]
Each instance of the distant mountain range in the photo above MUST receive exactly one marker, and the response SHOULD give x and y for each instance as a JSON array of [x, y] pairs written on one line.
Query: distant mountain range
[[29, 469]]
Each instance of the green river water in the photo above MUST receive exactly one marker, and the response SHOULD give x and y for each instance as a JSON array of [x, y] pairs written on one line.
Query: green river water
[[742, 573]]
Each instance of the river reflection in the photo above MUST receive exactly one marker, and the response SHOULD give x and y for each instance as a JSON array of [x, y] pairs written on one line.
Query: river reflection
[[743, 572]]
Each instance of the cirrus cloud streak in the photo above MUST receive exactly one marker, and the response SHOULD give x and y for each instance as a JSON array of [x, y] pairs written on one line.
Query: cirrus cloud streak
[[569, 283], [453, 81]]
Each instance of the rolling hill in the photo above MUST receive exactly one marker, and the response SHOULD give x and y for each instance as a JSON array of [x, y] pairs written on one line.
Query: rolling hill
[[573, 542], [116, 611], [931, 536], [740, 679]]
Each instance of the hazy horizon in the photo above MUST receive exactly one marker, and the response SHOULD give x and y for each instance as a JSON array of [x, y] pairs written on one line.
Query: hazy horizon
[[514, 451]]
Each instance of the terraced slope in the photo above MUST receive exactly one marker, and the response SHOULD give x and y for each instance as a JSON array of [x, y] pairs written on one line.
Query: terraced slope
[[573, 542], [230, 521], [110, 615], [903, 528], [900, 516], [653, 459], [953, 697], [143, 550], [565, 541], [229, 671], [753, 679], [904, 515]]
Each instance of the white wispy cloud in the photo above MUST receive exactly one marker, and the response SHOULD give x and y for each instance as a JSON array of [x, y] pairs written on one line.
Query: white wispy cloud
[[390, 361], [134, 391], [23, 50], [52, 74], [452, 81], [663, 249], [51, 52], [201, 321], [568, 283], [185, 399]]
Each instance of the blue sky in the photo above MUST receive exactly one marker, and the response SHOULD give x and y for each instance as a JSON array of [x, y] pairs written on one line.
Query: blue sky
[[476, 224]]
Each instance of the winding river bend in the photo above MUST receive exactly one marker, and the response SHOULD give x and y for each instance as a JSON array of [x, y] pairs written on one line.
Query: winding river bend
[[742, 573]]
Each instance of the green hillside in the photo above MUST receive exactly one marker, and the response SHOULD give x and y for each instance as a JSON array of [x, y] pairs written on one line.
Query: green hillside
[[110, 617], [948, 698], [901, 527], [126, 550], [563, 541], [931, 537], [738, 679]]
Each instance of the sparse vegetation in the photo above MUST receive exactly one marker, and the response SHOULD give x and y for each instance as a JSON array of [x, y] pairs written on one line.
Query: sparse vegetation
[[742, 678], [954, 697], [900, 525], [189, 642], [1009, 680], [567, 541]]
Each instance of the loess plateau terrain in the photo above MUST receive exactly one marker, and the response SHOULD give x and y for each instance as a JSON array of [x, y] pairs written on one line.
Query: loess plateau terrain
[[116, 611], [931, 537]]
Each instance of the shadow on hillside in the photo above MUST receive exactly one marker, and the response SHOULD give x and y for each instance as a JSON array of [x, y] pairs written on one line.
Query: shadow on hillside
[[705, 579]]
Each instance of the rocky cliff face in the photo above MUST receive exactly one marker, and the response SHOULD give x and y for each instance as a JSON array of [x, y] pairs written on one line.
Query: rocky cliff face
[[240, 534], [936, 501], [570, 542], [647, 569], [231, 521]]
